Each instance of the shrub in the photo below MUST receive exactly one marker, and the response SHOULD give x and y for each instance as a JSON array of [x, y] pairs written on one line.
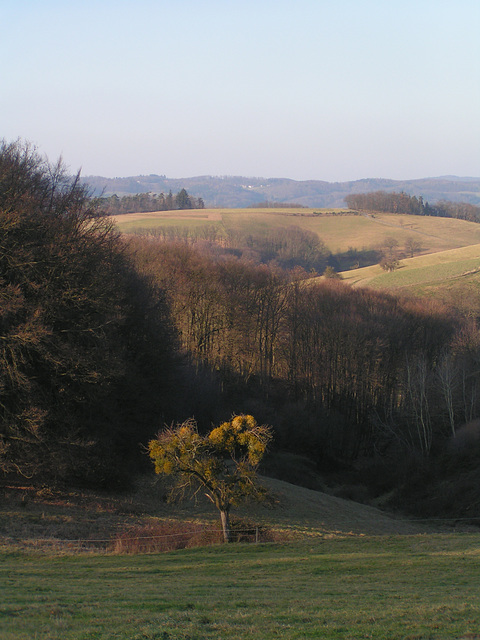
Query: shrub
[[331, 273], [244, 530], [389, 264], [170, 535]]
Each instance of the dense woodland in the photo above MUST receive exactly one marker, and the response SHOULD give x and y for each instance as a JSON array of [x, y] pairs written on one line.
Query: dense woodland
[[345, 372], [350, 378], [391, 202], [104, 339], [86, 342], [287, 247], [145, 202]]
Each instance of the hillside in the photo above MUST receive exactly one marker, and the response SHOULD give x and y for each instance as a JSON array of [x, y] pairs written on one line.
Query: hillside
[[45, 519], [446, 263], [452, 276], [340, 230], [240, 191]]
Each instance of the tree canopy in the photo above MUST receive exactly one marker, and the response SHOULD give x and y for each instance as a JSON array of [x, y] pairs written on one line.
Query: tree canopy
[[392, 202], [78, 327], [221, 463], [143, 202]]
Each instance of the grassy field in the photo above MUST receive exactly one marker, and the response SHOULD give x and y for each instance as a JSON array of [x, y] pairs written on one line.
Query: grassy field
[[29, 521], [388, 587], [339, 569], [338, 229], [449, 274], [447, 265]]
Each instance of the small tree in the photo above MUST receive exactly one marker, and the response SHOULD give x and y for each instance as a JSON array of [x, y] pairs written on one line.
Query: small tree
[[222, 463], [389, 264], [330, 273], [390, 246], [412, 246]]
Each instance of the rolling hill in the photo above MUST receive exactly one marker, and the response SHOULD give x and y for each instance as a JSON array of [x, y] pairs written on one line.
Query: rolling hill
[[339, 229], [452, 277], [240, 191], [32, 520], [430, 269], [446, 264]]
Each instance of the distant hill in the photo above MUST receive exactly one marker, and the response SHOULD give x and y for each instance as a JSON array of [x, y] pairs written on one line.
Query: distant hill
[[238, 191]]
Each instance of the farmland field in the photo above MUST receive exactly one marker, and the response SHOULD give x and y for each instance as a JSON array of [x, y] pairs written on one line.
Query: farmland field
[[350, 588], [431, 268], [447, 264], [339, 570], [338, 229]]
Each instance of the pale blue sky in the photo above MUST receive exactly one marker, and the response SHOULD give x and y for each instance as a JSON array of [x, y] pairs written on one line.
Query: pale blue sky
[[326, 89]]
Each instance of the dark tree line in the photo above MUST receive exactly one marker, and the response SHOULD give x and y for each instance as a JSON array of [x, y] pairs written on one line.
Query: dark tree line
[[344, 372], [391, 202], [145, 202], [85, 341]]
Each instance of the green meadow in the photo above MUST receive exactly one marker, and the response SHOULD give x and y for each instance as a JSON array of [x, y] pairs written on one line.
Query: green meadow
[[411, 587], [436, 272]]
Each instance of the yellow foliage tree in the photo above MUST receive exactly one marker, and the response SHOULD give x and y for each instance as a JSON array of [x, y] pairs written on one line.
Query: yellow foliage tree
[[222, 463]]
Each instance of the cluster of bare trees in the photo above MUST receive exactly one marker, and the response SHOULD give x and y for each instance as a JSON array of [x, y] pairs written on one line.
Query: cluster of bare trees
[[287, 247], [392, 202], [85, 341], [387, 201], [460, 210], [375, 373]]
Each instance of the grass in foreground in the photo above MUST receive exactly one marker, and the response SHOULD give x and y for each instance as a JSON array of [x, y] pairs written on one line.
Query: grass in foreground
[[371, 587]]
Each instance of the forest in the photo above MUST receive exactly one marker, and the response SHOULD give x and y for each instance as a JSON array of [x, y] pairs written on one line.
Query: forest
[[86, 341], [286, 246], [345, 372], [144, 202], [105, 338], [393, 202]]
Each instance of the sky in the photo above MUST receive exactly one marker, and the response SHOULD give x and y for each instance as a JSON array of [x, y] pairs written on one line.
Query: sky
[[329, 90]]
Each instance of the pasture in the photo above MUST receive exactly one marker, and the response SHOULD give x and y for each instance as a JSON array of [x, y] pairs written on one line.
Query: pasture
[[456, 267], [411, 587], [339, 229], [340, 570], [447, 264]]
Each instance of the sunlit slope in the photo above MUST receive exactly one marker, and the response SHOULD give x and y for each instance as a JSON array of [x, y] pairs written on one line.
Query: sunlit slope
[[435, 269], [342, 232], [339, 230]]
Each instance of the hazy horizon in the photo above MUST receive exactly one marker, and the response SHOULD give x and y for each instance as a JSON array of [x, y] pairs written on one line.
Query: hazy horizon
[[220, 176], [311, 90]]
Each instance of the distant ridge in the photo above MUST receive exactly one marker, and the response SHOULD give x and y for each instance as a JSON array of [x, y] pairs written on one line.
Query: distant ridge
[[241, 191]]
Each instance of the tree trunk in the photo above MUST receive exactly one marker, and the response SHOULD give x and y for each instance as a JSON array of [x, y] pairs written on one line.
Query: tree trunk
[[225, 518]]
